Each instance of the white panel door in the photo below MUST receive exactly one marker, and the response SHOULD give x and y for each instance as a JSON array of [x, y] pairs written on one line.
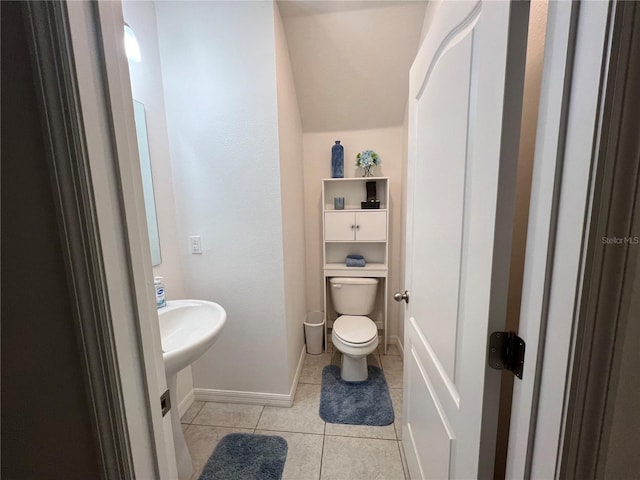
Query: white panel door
[[371, 226], [458, 234]]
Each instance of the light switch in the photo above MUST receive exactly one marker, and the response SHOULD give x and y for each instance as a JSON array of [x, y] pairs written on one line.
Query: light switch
[[196, 244]]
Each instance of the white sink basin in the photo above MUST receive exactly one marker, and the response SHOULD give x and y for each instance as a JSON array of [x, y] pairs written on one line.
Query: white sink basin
[[188, 328]]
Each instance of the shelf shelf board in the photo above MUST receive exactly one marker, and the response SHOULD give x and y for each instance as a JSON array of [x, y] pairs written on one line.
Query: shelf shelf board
[[368, 268], [356, 210], [355, 241], [353, 179], [372, 265]]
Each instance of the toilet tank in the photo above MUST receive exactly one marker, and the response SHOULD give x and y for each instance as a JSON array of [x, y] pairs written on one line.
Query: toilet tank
[[353, 296]]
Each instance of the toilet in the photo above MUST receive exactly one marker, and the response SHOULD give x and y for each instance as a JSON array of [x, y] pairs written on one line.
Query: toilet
[[354, 334]]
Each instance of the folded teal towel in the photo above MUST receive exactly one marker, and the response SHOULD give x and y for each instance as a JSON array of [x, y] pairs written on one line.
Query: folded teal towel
[[355, 262], [353, 256]]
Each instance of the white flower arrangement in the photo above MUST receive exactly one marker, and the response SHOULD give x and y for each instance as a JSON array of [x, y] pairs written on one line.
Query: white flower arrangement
[[367, 159]]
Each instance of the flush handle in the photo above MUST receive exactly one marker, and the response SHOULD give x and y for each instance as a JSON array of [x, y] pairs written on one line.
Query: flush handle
[[398, 297]]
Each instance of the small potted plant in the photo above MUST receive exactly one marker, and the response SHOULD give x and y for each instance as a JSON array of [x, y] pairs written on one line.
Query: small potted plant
[[367, 159]]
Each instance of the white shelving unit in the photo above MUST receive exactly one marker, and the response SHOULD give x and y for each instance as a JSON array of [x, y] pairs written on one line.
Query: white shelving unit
[[356, 231]]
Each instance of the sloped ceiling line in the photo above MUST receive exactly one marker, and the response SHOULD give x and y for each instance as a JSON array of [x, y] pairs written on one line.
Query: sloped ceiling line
[[351, 60]]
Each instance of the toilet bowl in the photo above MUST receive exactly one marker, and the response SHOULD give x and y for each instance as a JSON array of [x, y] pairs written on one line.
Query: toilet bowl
[[355, 337], [354, 334]]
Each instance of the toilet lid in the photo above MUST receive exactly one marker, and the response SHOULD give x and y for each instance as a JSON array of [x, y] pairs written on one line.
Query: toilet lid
[[355, 329]]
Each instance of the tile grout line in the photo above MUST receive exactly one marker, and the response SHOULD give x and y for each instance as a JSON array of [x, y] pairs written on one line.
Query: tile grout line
[[260, 417], [213, 425], [194, 417], [324, 437], [283, 430], [287, 431], [199, 410], [402, 462], [379, 357], [364, 438]]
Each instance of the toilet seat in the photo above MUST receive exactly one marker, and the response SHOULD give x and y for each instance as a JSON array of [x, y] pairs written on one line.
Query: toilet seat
[[355, 330]]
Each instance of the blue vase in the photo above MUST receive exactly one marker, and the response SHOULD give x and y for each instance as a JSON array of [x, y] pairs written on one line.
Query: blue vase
[[337, 160]]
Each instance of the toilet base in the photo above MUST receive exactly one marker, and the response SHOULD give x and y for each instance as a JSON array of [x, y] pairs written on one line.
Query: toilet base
[[354, 369]]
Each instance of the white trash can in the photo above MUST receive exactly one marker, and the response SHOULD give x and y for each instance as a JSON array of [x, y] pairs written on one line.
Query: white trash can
[[314, 332]]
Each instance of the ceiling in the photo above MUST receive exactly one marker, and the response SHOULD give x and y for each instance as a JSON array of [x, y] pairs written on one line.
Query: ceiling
[[351, 60]]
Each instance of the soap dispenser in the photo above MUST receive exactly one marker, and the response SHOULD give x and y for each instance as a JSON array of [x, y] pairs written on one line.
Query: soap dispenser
[[160, 300]]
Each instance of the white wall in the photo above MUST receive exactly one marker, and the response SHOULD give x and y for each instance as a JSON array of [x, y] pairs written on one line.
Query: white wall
[[388, 143], [351, 61], [292, 187], [530, 102], [146, 86], [245, 178], [218, 65]]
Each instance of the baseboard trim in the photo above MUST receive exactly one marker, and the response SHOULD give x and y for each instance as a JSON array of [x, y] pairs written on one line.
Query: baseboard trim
[[294, 385], [186, 402], [253, 398], [396, 340]]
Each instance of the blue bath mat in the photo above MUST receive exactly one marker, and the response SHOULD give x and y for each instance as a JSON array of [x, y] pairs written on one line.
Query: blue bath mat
[[244, 456], [355, 403]]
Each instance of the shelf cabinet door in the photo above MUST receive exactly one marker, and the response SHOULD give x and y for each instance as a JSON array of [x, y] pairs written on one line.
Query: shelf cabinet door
[[371, 226], [339, 226], [360, 226]]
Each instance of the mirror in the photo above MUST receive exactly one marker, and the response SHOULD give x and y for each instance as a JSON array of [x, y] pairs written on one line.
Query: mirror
[[147, 182]]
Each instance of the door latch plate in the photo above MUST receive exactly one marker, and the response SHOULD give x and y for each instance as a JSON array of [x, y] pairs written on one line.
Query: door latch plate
[[506, 352], [165, 402]]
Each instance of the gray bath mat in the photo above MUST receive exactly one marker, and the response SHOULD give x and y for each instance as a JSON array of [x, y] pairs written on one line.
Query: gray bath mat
[[244, 456], [355, 403]]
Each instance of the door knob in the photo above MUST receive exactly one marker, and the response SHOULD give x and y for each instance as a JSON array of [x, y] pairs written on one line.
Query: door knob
[[398, 297]]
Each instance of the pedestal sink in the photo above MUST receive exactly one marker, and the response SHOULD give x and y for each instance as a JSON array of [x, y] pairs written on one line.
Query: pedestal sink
[[188, 328]]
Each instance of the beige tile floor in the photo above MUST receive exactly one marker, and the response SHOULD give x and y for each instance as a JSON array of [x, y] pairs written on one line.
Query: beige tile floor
[[317, 450]]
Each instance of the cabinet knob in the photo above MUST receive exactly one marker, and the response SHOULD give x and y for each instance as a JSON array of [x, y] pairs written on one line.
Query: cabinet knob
[[398, 297], [357, 227], [352, 227]]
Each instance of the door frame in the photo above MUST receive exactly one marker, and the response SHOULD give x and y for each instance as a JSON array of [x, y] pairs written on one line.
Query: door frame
[[576, 54], [612, 285], [123, 332], [87, 111], [118, 99]]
